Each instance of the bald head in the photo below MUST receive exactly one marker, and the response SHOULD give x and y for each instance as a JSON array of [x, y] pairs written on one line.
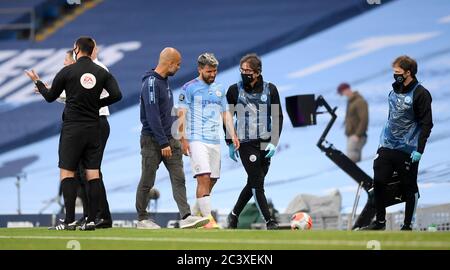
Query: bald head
[[169, 61], [168, 55]]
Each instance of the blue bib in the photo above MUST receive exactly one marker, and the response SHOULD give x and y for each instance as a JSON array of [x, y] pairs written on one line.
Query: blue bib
[[401, 131], [253, 114]]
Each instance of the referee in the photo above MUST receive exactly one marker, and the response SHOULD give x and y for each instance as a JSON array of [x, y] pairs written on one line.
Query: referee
[[257, 109], [104, 219], [84, 82]]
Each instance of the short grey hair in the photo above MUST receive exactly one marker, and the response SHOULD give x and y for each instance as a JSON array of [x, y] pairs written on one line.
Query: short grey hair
[[207, 59]]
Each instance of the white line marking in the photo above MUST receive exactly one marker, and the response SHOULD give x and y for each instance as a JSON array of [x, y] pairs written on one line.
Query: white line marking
[[364, 47], [434, 244]]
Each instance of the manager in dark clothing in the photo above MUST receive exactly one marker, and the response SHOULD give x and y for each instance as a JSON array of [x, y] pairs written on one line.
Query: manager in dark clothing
[[159, 145], [80, 138], [402, 140]]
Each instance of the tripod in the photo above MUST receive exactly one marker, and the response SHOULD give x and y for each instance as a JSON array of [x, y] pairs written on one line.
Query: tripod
[[19, 178]]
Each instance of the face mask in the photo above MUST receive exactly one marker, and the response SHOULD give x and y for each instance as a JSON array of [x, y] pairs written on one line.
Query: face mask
[[399, 78], [74, 55], [246, 78]]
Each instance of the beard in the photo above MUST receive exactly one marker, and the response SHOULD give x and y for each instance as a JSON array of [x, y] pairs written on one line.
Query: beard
[[208, 80]]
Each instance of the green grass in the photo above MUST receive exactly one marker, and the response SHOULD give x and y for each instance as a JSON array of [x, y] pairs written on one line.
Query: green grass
[[199, 239]]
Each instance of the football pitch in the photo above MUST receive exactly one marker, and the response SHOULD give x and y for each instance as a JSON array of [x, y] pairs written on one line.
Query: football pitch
[[200, 239]]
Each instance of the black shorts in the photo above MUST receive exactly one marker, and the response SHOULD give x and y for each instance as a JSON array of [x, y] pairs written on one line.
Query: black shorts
[[389, 161], [255, 163], [80, 143]]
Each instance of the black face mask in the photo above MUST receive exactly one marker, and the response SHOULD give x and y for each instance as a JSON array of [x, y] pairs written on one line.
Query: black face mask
[[75, 54], [246, 79], [399, 78]]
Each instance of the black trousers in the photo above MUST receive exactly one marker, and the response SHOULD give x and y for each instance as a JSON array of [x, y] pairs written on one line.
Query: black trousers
[[256, 165], [103, 211], [386, 162]]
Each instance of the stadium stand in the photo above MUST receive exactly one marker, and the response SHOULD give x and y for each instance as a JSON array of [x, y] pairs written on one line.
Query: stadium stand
[[358, 48], [251, 26]]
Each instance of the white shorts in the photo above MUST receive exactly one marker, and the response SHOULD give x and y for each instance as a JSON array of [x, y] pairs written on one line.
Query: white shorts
[[205, 158]]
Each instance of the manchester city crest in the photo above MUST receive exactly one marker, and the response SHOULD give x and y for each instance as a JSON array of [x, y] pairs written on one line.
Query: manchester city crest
[[264, 98], [408, 100]]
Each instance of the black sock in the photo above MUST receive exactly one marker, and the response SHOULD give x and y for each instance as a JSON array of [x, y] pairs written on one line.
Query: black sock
[[69, 186], [94, 195], [379, 201], [261, 201], [244, 197], [83, 194], [103, 206], [410, 208]]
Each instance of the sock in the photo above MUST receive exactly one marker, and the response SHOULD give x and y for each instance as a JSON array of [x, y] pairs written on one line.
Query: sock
[[82, 193], [94, 195], [410, 209], [196, 209], [69, 186], [204, 203], [103, 207], [379, 201], [261, 203], [244, 197]]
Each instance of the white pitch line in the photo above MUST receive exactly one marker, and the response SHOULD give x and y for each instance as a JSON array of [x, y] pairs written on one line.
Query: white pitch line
[[431, 244]]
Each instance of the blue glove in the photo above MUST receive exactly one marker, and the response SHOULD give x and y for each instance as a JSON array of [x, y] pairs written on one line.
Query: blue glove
[[234, 154], [271, 148], [415, 156]]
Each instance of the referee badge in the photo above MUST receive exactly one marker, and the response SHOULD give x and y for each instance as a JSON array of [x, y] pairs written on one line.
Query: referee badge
[[264, 98], [88, 80], [252, 158]]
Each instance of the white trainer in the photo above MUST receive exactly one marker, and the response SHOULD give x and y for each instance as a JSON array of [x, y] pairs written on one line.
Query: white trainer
[[193, 222], [147, 224]]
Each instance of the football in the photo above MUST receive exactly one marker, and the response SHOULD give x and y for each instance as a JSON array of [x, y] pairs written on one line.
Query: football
[[301, 221]]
